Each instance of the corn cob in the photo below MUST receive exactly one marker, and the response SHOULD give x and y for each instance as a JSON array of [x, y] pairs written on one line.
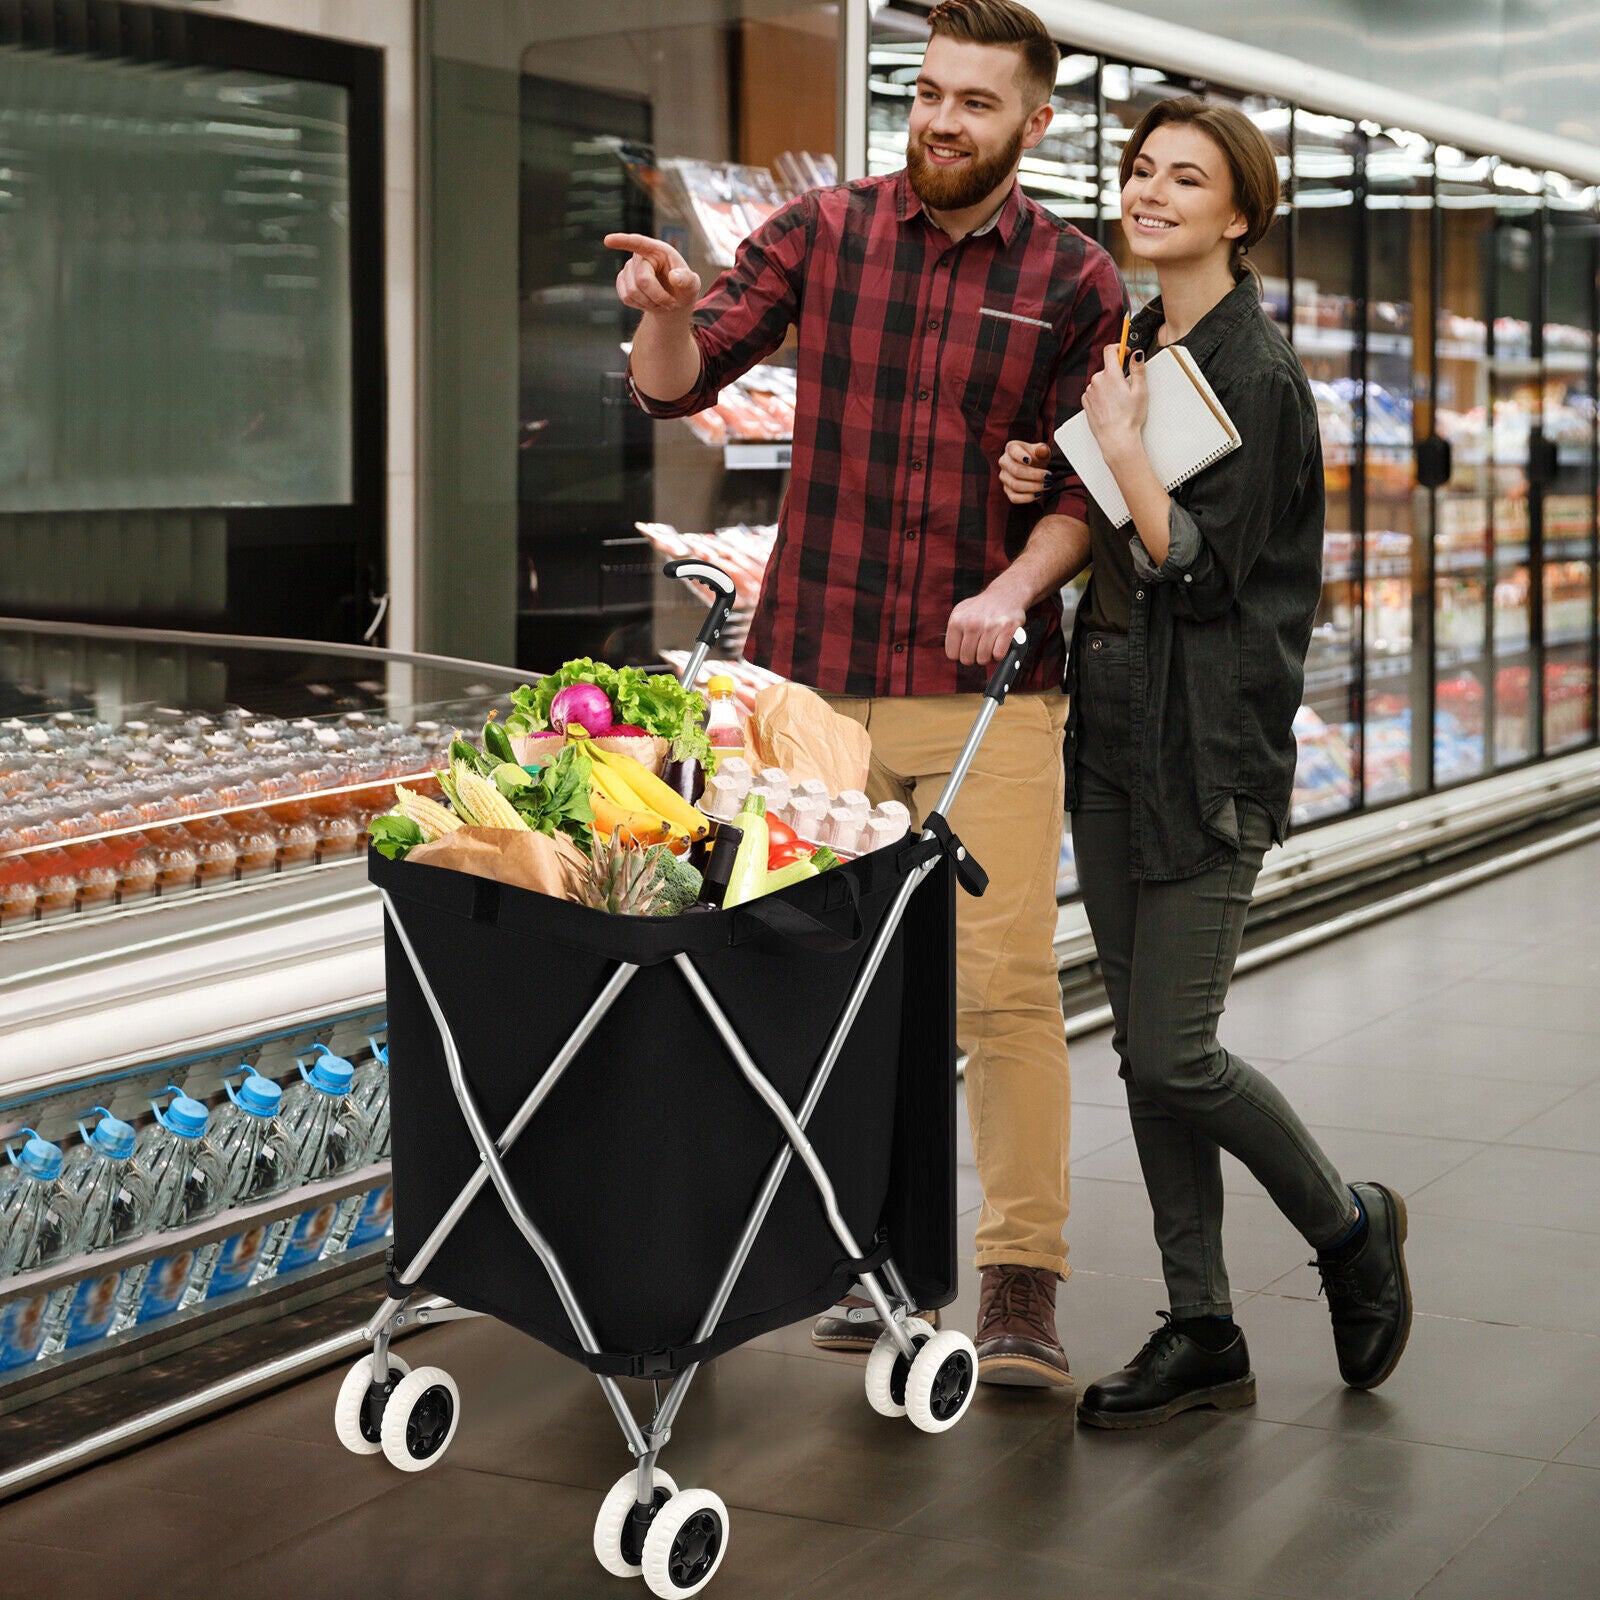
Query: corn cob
[[486, 803], [430, 817]]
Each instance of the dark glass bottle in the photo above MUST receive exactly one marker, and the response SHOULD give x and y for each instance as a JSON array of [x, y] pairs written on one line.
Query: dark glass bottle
[[714, 881]]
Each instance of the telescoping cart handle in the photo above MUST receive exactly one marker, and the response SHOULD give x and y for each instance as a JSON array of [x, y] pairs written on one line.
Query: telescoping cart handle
[[1005, 675], [935, 826], [722, 590]]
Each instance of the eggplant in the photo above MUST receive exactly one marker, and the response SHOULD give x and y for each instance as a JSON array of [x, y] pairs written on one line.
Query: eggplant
[[686, 777]]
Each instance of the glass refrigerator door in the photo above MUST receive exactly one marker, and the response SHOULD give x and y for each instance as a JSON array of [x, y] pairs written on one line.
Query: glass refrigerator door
[[1399, 203], [1516, 384], [1325, 307], [1567, 503], [1462, 572]]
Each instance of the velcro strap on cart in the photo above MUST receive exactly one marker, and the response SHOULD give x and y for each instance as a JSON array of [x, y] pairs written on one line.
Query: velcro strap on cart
[[659, 1363], [969, 874], [778, 915]]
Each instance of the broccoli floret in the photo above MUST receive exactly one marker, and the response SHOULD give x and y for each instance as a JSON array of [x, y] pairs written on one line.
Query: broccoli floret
[[679, 883]]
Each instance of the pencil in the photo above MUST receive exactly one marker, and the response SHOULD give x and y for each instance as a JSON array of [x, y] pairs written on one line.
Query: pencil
[[1122, 349]]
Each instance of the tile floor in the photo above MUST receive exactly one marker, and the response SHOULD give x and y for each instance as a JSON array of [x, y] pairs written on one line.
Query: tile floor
[[1454, 1053]]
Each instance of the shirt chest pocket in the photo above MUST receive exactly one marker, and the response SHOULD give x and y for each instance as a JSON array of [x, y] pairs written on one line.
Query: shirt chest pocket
[[1012, 351]]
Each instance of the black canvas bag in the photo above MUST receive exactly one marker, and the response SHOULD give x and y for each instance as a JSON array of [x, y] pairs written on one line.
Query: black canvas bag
[[642, 1166]]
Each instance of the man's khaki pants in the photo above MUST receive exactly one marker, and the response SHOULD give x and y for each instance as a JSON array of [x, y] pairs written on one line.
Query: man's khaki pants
[[1009, 816]]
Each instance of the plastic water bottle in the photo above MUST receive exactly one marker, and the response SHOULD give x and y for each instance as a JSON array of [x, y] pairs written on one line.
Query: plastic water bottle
[[328, 1133], [186, 1181], [38, 1225], [113, 1197], [257, 1163], [364, 1217], [370, 1091]]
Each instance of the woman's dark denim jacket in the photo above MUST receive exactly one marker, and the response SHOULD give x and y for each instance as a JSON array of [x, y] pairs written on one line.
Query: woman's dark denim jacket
[[1218, 632]]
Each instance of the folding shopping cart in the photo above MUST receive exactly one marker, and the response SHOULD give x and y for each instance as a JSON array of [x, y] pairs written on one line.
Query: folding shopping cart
[[647, 1161]]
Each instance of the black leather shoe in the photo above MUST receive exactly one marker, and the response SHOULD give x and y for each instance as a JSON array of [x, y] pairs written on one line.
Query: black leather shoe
[[1369, 1296], [1171, 1374]]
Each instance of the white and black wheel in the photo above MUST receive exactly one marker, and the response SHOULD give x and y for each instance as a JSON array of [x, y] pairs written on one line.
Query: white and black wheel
[[685, 1544], [942, 1382], [618, 1537], [358, 1413], [420, 1419], [887, 1369]]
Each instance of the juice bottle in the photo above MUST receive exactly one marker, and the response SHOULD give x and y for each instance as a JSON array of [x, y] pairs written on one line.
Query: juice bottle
[[724, 724]]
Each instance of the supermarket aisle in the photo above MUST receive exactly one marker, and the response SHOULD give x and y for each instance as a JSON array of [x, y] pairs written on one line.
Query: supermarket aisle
[[1454, 1053]]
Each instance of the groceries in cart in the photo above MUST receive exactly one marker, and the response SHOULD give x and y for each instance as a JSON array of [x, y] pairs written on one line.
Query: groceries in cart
[[617, 789]]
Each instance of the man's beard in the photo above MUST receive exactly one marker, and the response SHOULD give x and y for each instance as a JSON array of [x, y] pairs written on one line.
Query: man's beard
[[954, 189]]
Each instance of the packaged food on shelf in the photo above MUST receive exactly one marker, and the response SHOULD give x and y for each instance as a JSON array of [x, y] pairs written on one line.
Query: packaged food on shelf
[[94, 815]]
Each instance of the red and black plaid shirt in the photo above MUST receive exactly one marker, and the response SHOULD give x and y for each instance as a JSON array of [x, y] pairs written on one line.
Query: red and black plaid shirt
[[918, 359]]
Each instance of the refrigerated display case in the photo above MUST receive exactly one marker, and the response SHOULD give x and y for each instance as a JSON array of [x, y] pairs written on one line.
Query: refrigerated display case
[[185, 898], [1443, 303]]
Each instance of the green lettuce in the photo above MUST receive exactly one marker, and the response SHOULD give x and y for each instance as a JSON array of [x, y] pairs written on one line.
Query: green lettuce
[[394, 836], [654, 701]]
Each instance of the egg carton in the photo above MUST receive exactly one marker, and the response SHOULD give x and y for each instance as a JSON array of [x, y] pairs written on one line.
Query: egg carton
[[849, 824]]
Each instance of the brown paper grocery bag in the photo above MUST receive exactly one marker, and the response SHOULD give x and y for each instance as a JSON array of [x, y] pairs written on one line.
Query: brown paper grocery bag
[[548, 864], [795, 728]]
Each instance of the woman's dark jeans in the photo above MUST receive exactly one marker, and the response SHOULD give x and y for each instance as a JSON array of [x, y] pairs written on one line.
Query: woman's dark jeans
[[1167, 950]]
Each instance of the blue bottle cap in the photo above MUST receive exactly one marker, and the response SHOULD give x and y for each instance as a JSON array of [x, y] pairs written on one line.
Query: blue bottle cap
[[39, 1158], [110, 1136], [258, 1094], [332, 1074], [185, 1117]]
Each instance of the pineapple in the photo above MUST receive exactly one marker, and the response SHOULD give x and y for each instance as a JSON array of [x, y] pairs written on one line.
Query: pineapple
[[623, 878]]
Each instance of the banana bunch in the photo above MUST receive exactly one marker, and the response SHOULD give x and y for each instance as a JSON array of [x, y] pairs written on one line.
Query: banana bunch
[[629, 797]]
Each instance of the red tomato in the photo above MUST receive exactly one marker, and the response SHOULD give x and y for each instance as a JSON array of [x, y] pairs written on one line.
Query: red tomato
[[779, 835], [787, 854]]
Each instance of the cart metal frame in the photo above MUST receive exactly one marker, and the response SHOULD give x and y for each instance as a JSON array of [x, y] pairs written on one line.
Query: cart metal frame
[[889, 1297]]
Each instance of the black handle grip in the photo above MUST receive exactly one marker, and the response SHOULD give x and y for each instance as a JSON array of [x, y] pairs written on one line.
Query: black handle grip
[[1005, 674], [715, 579]]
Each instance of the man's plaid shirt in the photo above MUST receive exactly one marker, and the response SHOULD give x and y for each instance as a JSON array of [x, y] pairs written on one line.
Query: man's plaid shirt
[[917, 359]]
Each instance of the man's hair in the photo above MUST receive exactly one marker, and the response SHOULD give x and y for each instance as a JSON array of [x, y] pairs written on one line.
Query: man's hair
[[1003, 22]]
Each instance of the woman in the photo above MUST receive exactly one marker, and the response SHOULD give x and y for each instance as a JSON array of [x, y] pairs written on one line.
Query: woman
[[1186, 670]]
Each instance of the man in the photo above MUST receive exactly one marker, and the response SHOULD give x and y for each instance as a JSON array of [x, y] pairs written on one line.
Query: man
[[940, 312]]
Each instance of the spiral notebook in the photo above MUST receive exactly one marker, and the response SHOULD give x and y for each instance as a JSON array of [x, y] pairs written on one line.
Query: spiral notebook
[[1186, 431]]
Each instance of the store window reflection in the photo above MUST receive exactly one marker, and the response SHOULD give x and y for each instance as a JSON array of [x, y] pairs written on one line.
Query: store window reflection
[[175, 303], [1325, 335]]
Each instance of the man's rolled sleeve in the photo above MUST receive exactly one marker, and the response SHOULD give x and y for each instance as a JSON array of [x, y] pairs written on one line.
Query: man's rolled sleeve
[[1095, 322], [748, 310]]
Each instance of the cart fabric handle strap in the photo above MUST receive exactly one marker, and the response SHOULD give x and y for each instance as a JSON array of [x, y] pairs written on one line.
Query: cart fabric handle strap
[[798, 926], [969, 874]]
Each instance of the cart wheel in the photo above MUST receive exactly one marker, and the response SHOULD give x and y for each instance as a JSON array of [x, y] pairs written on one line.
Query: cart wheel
[[685, 1544], [618, 1547], [940, 1387], [887, 1369], [420, 1420], [356, 1419]]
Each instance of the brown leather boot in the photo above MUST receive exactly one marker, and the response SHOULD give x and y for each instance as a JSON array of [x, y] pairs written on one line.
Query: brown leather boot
[[1017, 1343], [854, 1325]]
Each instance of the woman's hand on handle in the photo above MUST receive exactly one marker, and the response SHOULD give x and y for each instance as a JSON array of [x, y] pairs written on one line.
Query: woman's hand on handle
[[1024, 471], [654, 277]]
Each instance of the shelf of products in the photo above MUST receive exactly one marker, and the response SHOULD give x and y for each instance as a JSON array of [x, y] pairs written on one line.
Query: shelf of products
[[243, 1229], [96, 816]]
